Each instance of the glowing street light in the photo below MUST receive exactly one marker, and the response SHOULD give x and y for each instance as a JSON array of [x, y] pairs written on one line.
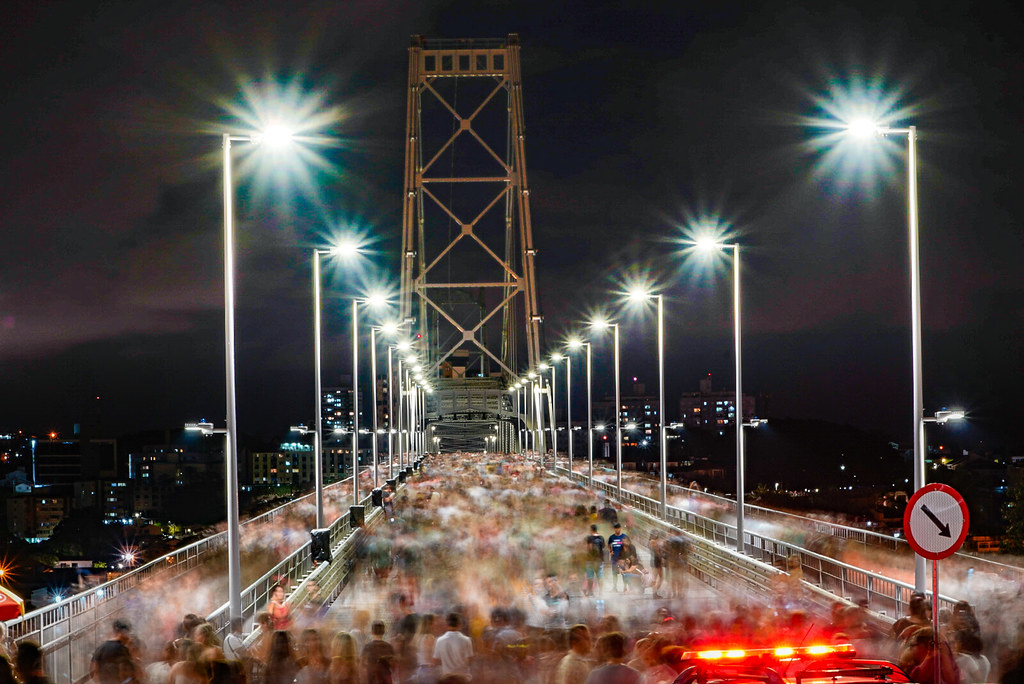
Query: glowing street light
[[710, 244], [373, 300], [345, 249], [864, 129], [946, 415], [603, 324], [574, 344], [642, 295]]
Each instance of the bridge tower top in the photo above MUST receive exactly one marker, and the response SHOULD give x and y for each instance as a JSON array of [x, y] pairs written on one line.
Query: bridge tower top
[[467, 240]]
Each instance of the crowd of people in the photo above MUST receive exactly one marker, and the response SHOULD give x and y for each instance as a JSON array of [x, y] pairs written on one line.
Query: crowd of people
[[486, 570]]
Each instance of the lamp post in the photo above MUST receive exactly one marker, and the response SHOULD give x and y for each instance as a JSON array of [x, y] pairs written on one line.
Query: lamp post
[[601, 324], [643, 295], [372, 300], [555, 358], [576, 344], [344, 249], [234, 557], [273, 135], [710, 244], [865, 129], [551, 410]]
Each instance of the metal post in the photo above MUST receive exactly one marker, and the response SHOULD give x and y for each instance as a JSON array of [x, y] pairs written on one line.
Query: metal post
[[920, 564], [391, 418], [590, 422], [740, 465], [401, 411], [552, 404], [318, 469], [230, 441], [568, 407], [373, 376], [355, 402], [618, 421], [662, 442]]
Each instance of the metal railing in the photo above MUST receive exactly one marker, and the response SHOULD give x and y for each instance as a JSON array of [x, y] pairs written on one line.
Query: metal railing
[[885, 596], [69, 630]]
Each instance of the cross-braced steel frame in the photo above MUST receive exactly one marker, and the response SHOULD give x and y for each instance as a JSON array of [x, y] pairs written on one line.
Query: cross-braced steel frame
[[467, 244]]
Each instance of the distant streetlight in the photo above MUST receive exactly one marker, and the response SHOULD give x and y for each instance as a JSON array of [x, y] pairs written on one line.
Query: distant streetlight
[[373, 300], [602, 324], [576, 344], [710, 244], [642, 295]]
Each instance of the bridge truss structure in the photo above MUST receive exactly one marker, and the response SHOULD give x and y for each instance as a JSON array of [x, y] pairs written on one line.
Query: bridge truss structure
[[467, 244]]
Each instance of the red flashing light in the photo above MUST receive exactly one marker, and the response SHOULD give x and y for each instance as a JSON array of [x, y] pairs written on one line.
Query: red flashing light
[[778, 652]]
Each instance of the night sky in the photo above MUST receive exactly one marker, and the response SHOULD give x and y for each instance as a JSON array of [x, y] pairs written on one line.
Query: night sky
[[642, 118]]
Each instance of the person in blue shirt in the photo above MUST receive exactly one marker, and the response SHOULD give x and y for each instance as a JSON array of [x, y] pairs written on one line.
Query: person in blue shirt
[[615, 540]]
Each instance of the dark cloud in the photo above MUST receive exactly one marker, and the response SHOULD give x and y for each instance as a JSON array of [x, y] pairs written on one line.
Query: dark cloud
[[638, 116]]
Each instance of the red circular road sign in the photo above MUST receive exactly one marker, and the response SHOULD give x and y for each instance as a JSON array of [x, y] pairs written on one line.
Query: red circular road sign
[[936, 521]]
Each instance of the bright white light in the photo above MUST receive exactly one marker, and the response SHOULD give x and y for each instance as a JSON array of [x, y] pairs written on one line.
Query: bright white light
[[416, 368], [600, 324], [707, 244], [556, 357], [639, 294], [404, 345], [575, 343], [543, 366], [345, 249], [599, 427], [275, 135], [863, 128], [389, 328], [377, 299], [949, 414], [532, 375], [631, 426]]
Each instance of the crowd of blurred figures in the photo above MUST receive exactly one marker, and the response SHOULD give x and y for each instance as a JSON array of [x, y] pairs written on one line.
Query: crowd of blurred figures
[[483, 569]]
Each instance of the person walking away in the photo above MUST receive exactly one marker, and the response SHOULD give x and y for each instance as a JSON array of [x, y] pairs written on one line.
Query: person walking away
[[28, 663], [576, 664], [611, 648], [593, 561], [112, 659], [378, 656], [454, 649]]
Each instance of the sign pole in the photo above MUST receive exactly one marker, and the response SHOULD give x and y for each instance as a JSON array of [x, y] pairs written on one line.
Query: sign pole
[[937, 658]]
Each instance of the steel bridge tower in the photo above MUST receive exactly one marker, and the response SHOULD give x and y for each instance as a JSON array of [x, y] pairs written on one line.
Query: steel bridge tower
[[467, 242]]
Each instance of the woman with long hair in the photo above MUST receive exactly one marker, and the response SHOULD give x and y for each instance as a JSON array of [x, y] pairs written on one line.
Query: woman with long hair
[[344, 668], [313, 660], [281, 664]]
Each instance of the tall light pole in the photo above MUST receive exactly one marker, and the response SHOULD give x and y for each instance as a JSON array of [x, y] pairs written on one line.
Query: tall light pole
[[866, 129], [551, 410], [372, 300], [576, 344], [601, 324], [643, 295], [709, 244], [555, 358], [345, 249], [275, 135]]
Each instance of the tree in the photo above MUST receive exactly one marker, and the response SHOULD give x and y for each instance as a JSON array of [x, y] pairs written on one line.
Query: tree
[[1013, 513]]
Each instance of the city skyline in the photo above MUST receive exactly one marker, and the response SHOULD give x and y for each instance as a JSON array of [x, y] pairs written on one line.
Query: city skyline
[[638, 124]]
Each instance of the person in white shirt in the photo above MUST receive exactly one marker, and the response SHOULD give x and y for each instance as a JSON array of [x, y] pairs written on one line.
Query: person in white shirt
[[454, 649], [234, 643]]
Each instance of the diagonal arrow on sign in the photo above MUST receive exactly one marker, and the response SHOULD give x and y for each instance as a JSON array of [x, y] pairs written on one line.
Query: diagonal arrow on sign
[[943, 527]]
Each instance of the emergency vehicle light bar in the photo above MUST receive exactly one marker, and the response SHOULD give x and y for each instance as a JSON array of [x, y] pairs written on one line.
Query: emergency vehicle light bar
[[779, 652]]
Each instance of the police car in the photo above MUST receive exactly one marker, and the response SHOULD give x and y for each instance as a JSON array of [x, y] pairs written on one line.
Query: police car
[[817, 664]]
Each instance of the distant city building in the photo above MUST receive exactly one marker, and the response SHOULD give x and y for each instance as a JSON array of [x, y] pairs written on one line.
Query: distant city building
[[711, 408], [35, 515], [336, 408], [635, 407], [66, 461], [293, 465]]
